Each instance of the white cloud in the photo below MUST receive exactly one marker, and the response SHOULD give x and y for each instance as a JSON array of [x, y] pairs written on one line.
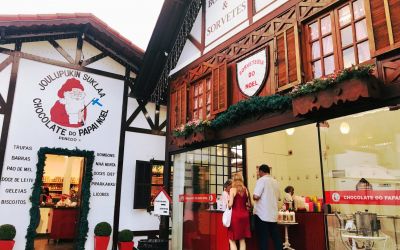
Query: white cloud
[[134, 19]]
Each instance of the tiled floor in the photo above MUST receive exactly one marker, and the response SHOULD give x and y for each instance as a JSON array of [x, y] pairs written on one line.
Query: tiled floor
[[43, 244]]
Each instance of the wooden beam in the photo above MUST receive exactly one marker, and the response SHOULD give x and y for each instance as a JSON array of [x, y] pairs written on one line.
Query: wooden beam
[[79, 45], [93, 59], [5, 63], [62, 51]]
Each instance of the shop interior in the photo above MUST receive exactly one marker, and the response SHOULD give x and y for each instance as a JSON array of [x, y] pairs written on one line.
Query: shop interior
[[355, 152], [60, 200]]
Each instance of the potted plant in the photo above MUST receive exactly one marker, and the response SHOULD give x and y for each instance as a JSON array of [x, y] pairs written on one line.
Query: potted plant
[[125, 240], [7, 235], [102, 232]]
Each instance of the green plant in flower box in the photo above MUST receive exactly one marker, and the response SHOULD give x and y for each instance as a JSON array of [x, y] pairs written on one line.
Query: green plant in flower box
[[318, 84], [196, 125]]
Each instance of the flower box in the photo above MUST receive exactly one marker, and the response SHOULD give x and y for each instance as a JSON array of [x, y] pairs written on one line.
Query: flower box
[[347, 91], [196, 137]]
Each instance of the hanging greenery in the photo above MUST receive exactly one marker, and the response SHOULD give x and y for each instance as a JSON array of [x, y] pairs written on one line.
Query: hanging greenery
[[354, 72], [83, 227], [254, 106]]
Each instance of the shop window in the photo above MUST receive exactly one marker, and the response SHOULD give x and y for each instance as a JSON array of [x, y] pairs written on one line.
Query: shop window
[[148, 182], [338, 40], [361, 166], [210, 167]]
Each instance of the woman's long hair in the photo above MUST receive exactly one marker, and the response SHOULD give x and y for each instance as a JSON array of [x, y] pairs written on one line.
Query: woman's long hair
[[238, 183]]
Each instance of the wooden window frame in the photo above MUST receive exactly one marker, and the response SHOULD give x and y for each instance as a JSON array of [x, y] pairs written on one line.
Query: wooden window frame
[[320, 37], [203, 96], [336, 39], [352, 23]]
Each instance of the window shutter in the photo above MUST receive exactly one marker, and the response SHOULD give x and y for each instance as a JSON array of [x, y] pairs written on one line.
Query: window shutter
[[379, 25], [394, 7], [219, 89], [178, 106], [286, 58], [291, 54], [281, 60], [142, 185]]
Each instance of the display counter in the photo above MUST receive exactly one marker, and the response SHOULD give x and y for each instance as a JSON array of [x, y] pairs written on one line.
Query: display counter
[[64, 222], [206, 231]]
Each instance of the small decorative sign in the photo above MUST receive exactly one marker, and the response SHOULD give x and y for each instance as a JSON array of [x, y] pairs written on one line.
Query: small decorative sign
[[252, 72], [201, 198], [162, 203]]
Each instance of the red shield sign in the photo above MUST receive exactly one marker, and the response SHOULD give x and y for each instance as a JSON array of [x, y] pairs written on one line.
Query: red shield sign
[[252, 72]]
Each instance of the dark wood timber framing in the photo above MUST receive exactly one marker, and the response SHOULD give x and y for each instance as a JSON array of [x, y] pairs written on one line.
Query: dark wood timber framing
[[7, 109], [120, 163], [155, 128]]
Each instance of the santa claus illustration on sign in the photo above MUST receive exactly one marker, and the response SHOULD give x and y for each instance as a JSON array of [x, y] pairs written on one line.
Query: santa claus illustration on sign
[[70, 109]]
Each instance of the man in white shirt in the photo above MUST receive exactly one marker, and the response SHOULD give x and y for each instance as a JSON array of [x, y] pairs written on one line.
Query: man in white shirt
[[266, 195]]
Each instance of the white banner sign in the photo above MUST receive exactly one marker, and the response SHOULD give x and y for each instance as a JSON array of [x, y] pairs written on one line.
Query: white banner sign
[[222, 16], [61, 108], [252, 72]]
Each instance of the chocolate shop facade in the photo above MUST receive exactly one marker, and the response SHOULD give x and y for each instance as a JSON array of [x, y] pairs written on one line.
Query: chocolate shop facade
[[70, 126], [309, 87]]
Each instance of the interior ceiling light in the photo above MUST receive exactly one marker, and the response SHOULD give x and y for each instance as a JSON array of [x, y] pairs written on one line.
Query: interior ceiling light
[[344, 128], [290, 131]]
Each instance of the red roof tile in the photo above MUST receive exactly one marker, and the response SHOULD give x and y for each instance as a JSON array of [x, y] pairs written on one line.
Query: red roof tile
[[51, 19]]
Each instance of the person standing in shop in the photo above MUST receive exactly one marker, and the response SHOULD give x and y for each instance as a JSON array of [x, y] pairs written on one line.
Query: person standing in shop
[[225, 194], [266, 196], [240, 221]]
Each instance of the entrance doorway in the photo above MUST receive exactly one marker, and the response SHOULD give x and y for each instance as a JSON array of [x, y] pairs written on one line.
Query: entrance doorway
[[60, 199]]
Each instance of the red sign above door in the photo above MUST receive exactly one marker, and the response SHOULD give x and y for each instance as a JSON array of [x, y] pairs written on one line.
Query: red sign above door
[[201, 198]]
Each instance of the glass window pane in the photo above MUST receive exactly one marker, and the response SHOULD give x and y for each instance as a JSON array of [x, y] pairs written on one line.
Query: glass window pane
[[208, 98], [363, 157], [347, 36], [196, 90], [348, 57], [195, 103], [344, 15], [363, 52], [361, 30], [358, 9], [208, 83], [327, 45], [316, 53], [326, 25], [314, 30], [200, 102], [317, 69], [329, 64], [200, 113], [200, 89], [195, 115]]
